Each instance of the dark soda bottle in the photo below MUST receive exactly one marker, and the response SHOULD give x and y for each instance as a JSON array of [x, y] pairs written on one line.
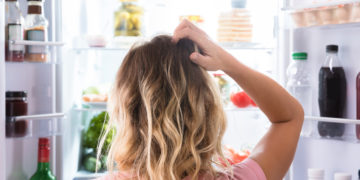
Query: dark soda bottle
[[332, 93]]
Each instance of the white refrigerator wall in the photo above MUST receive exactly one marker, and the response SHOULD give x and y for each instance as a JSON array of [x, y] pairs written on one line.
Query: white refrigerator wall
[[2, 90], [330, 155]]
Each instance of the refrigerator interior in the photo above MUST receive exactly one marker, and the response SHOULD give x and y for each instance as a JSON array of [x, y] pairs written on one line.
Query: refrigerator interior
[[331, 154], [84, 66]]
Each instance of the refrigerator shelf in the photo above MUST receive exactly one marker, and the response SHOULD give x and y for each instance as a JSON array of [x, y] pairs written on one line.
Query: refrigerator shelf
[[307, 5], [36, 43], [246, 46], [247, 109], [331, 26], [333, 120], [100, 49], [40, 125], [84, 175]]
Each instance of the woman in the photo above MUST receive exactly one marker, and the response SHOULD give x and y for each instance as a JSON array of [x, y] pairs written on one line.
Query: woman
[[170, 122]]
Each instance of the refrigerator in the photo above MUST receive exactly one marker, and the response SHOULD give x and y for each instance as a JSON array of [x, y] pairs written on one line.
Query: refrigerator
[[55, 89]]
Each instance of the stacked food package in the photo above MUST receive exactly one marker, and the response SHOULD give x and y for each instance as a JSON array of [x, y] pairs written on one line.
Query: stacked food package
[[235, 26], [325, 15]]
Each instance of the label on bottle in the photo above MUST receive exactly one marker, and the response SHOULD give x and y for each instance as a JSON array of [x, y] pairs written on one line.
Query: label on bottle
[[36, 35], [15, 32]]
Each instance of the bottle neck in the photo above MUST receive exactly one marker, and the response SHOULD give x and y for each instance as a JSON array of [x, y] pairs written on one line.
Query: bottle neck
[[43, 166], [13, 13], [332, 60]]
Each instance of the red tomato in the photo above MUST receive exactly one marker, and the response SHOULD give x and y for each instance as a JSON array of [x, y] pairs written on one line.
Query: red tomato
[[240, 99]]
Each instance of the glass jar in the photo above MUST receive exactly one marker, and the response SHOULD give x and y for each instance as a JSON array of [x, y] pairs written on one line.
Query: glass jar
[[16, 105], [13, 31], [129, 19], [36, 30], [224, 87]]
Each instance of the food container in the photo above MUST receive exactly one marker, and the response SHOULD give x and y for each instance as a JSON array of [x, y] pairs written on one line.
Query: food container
[[312, 17], [298, 18], [342, 13], [16, 105], [355, 13], [326, 15], [129, 19]]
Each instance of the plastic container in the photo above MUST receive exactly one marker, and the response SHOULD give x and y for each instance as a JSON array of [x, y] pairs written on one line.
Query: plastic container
[[299, 18], [312, 17], [332, 93], [299, 85], [343, 13], [326, 15], [342, 176], [355, 12], [316, 174]]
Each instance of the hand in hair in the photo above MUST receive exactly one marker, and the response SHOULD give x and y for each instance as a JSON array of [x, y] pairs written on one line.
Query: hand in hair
[[276, 150], [211, 57]]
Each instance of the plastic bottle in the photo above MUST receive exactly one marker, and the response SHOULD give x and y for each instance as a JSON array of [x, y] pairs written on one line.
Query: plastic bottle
[[342, 176], [332, 93], [299, 85], [316, 174]]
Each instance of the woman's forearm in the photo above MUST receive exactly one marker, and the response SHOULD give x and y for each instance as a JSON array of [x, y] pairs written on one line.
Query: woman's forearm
[[271, 98]]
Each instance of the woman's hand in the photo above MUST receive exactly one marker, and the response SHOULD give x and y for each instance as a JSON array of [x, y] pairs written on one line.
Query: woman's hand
[[213, 57]]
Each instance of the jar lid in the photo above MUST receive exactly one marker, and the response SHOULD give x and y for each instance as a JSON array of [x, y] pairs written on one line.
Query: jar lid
[[332, 48], [315, 173], [342, 176], [16, 94]]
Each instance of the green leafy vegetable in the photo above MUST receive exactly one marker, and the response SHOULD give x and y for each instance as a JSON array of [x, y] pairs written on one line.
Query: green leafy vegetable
[[92, 135], [90, 163], [91, 90]]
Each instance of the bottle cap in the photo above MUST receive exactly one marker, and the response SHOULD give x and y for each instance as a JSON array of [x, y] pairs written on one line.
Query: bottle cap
[[332, 48], [299, 56], [315, 173], [16, 94], [342, 176]]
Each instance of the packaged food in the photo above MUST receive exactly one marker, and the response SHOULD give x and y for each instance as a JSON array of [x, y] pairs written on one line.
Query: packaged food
[[13, 31], [298, 18], [355, 12], [129, 19], [36, 30], [326, 15], [312, 17], [342, 13], [235, 26], [16, 105]]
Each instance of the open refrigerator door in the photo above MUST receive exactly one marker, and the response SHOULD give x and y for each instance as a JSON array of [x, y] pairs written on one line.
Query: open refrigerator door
[[330, 143]]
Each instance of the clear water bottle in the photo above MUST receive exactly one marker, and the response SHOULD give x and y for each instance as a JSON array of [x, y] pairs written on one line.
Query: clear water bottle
[[299, 86]]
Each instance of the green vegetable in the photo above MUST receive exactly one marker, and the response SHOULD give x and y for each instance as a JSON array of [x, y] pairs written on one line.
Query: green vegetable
[[91, 90], [90, 163], [91, 137]]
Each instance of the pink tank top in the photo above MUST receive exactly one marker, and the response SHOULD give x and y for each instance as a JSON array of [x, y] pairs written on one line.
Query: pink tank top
[[246, 170]]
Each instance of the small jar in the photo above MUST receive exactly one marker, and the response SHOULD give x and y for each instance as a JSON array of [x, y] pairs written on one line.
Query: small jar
[[16, 105], [129, 19]]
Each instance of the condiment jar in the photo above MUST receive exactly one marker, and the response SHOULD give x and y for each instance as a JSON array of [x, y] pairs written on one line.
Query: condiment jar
[[16, 105], [315, 174], [342, 176], [129, 19]]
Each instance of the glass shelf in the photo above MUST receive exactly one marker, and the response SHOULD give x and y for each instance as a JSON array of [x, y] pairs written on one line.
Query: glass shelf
[[247, 109], [331, 26], [36, 43], [310, 128], [30, 126], [28, 62], [245, 46], [85, 175], [104, 49]]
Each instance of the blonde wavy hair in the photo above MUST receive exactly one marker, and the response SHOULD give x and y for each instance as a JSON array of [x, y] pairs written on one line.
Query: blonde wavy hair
[[167, 114]]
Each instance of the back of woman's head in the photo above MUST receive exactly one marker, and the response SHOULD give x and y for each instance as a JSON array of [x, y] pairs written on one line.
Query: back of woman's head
[[167, 113]]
